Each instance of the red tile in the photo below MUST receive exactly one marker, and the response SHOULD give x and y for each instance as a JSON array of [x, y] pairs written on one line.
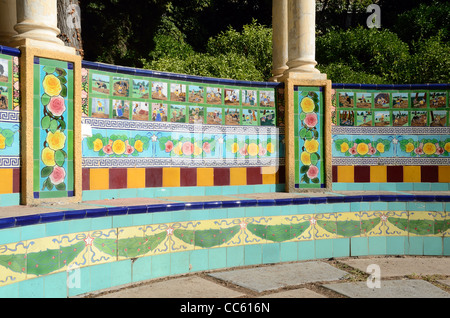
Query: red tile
[[16, 180], [153, 177], [86, 173], [335, 173], [118, 178], [281, 174], [254, 175], [221, 176], [188, 177], [430, 173], [394, 173], [362, 174]]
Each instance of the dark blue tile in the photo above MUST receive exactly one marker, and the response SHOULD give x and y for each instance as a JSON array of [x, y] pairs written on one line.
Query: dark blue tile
[[405, 198], [249, 203], [123, 210], [52, 217], [28, 220], [176, 207], [442, 198], [287, 201], [156, 208], [10, 51], [353, 198], [370, 198], [231, 204], [137, 209], [213, 205], [388, 198], [194, 206], [300, 200], [336, 199], [7, 223], [97, 213], [424, 198], [317, 200], [266, 202], [75, 215]]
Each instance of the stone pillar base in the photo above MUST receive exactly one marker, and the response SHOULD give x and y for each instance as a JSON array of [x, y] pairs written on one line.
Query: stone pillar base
[[17, 42]]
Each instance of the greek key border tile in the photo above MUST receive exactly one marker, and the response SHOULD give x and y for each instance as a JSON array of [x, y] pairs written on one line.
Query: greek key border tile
[[9, 162], [9, 116], [97, 123], [391, 161], [339, 130], [178, 162]]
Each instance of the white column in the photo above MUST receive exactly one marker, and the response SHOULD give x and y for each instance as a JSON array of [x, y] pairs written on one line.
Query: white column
[[302, 39], [279, 38], [37, 24], [7, 20]]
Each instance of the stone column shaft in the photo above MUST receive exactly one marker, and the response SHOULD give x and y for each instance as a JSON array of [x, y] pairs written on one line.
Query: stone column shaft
[[279, 38]]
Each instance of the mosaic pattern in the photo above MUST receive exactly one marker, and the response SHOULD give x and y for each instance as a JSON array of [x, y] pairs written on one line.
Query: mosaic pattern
[[388, 108], [119, 96], [54, 139], [308, 110], [33, 258], [9, 82]]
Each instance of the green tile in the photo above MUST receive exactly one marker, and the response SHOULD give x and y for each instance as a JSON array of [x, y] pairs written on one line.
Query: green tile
[[100, 276], [179, 263], [9, 291], [160, 265], [217, 258], [271, 253], [199, 260], [395, 245], [359, 246], [415, 245], [33, 232], [446, 247], [235, 256], [324, 249], [142, 269], [377, 245], [432, 245], [121, 273], [341, 247], [288, 251], [32, 288]]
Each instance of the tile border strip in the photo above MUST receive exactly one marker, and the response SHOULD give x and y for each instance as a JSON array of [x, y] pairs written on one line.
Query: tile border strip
[[13, 222]]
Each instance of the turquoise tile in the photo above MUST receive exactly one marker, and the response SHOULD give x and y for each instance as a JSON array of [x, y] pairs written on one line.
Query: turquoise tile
[[355, 206], [235, 256], [341, 247], [179, 263], [142, 219], [415, 245], [306, 250], [109, 194], [252, 212], [56, 228], [199, 260], [421, 186], [32, 288], [370, 187], [324, 208], [271, 211], [341, 207], [237, 213], [217, 258], [415, 206], [378, 206], [446, 247], [218, 214], [127, 193], [387, 186], [10, 235], [32, 232], [253, 254], [271, 253], [90, 196], [396, 206], [122, 221], [324, 248], [198, 215], [101, 223], [142, 269], [160, 265], [213, 191], [405, 186], [339, 186], [307, 209], [9, 291], [230, 190], [359, 246], [83, 225], [121, 273], [432, 245], [377, 245], [439, 187], [434, 206], [395, 245], [162, 217], [100, 276], [146, 193], [288, 252], [179, 216], [246, 189], [9, 199]]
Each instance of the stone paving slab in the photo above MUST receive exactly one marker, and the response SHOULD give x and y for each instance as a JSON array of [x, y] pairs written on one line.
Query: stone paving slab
[[394, 267], [390, 289], [185, 287], [262, 279], [295, 293]]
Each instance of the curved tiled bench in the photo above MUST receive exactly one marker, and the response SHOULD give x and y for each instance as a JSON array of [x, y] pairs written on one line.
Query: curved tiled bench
[[230, 234]]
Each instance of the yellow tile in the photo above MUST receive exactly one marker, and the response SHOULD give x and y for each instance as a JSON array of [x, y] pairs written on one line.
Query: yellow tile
[[171, 177], [99, 179], [238, 176], [269, 175], [444, 174], [378, 174], [136, 178], [205, 177], [411, 174], [6, 184], [346, 174]]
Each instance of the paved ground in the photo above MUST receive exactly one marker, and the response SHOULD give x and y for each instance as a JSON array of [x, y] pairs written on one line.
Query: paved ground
[[401, 277]]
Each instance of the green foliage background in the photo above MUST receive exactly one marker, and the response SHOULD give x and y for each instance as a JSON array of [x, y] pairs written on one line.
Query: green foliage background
[[233, 39]]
